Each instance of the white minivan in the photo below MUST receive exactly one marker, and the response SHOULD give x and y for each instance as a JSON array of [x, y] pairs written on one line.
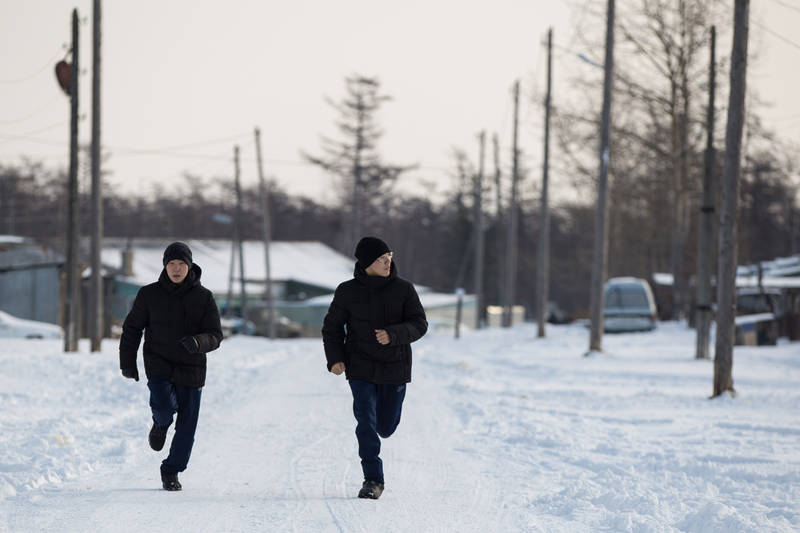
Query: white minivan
[[629, 305]]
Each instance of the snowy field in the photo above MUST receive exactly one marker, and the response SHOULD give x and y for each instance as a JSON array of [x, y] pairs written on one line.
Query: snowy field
[[501, 432]]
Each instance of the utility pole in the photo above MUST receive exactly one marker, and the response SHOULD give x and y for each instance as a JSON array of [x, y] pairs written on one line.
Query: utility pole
[[511, 251], [229, 307], [267, 232], [726, 270], [478, 221], [601, 216], [240, 235], [705, 249], [72, 304], [96, 306], [498, 240], [543, 267]]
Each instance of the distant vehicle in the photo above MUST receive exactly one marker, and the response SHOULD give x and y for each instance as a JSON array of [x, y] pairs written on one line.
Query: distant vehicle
[[629, 305], [236, 326], [284, 328], [752, 300], [765, 307], [11, 326]]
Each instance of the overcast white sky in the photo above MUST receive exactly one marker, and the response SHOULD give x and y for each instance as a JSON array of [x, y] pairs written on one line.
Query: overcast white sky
[[185, 80]]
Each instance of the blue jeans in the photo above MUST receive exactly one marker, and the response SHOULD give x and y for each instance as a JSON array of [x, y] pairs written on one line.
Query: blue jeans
[[377, 409], [166, 399]]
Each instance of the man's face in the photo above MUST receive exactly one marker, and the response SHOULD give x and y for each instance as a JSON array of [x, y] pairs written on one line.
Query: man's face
[[381, 266], [177, 270]]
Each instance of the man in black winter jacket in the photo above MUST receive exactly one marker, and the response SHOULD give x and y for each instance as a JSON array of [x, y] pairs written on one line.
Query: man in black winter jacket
[[180, 321], [367, 334]]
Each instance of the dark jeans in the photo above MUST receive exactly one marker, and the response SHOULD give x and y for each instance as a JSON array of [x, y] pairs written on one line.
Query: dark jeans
[[166, 399], [377, 409]]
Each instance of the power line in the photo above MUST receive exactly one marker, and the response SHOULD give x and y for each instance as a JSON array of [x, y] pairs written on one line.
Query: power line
[[221, 140], [779, 36], [788, 6], [27, 135], [38, 71], [119, 151], [47, 104], [30, 139]]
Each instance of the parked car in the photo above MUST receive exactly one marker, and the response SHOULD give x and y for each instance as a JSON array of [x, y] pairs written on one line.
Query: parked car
[[236, 326], [11, 326], [629, 305], [760, 311]]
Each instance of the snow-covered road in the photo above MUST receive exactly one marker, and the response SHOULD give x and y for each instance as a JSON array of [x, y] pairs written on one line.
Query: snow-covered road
[[501, 432]]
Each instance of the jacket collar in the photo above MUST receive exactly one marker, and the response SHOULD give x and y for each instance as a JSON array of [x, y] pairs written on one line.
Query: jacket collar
[[192, 280], [374, 282]]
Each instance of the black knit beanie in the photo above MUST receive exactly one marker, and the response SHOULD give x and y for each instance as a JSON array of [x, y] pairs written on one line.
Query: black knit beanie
[[178, 250], [369, 249]]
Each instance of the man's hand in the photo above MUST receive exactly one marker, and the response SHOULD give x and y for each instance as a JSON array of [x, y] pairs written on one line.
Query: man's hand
[[382, 335], [338, 368], [131, 373], [191, 344]]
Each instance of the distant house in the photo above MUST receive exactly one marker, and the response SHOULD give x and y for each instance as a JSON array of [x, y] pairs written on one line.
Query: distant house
[[780, 272], [304, 276], [29, 279], [780, 276]]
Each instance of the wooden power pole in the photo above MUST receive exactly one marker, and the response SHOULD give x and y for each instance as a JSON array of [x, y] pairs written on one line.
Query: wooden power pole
[[705, 249], [267, 232], [240, 236], [601, 216], [726, 270], [499, 199], [543, 266], [72, 303], [479, 242], [511, 250], [231, 266], [96, 305]]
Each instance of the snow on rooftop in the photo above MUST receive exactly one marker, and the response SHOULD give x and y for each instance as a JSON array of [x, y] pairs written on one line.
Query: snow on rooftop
[[781, 266], [13, 239], [307, 262], [428, 299]]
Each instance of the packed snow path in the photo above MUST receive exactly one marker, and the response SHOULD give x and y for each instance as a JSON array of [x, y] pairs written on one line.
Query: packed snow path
[[500, 432]]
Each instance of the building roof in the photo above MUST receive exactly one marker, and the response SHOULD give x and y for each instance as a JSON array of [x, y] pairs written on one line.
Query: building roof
[[308, 262], [779, 267]]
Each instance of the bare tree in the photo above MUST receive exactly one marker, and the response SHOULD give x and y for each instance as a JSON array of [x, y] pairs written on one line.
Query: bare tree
[[355, 159], [657, 134]]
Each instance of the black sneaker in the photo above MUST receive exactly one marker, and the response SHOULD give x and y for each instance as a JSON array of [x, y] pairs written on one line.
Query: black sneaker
[[371, 490], [158, 435], [170, 482]]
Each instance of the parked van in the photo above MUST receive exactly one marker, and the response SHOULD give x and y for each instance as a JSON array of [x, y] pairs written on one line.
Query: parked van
[[629, 305]]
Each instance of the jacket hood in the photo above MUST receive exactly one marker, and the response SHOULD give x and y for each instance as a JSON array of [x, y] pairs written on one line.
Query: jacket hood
[[192, 280]]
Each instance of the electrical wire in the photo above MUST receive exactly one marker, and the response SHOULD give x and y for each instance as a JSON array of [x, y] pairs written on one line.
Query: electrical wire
[[49, 64], [32, 113], [788, 6], [167, 149], [775, 34], [27, 135]]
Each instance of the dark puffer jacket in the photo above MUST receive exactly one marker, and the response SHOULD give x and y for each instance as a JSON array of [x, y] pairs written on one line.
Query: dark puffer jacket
[[168, 312], [362, 305]]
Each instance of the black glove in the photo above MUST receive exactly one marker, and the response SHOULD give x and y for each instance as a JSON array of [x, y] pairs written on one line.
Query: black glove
[[191, 344], [131, 373]]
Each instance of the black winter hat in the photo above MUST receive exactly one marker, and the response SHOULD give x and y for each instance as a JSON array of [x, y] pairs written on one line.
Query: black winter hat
[[178, 250], [369, 249]]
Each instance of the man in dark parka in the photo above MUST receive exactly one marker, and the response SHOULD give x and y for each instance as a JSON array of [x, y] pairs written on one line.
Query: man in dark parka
[[367, 334], [181, 324]]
